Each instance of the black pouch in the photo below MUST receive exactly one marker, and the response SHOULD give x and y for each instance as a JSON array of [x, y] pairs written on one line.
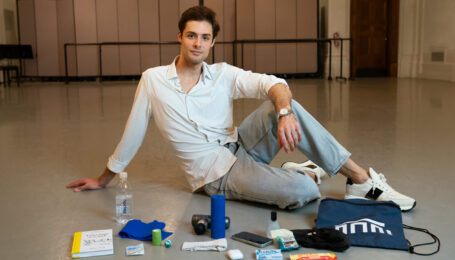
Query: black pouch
[[322, 238]]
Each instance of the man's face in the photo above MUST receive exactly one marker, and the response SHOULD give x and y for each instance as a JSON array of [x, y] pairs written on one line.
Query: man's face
[[196, 41]]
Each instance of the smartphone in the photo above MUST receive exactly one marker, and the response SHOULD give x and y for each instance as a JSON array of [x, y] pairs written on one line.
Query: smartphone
[[252, 239]]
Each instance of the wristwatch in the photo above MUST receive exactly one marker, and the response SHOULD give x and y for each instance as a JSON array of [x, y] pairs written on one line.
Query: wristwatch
[[284, 112]]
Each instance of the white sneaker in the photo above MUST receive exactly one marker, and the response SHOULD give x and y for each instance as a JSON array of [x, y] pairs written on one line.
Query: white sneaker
[[376, 188], [307, 166]]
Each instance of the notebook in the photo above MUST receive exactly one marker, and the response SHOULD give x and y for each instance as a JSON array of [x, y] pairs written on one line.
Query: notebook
[[92, 243]]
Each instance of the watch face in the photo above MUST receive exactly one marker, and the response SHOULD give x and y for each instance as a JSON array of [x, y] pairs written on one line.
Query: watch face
[[284, 111]]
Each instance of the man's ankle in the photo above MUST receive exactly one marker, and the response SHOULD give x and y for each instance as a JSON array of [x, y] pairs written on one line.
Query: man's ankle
[[360, 179]]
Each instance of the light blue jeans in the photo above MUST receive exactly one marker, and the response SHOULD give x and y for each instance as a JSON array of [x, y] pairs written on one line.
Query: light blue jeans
[[252, 178]]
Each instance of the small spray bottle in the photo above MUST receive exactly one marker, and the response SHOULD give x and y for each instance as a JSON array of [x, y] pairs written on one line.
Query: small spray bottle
[[273, 224]]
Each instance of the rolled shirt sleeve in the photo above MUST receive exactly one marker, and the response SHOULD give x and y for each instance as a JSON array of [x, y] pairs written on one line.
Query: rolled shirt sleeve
[[254, 85]]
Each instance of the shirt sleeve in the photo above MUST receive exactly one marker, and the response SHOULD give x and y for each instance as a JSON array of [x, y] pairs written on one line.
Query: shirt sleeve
[[253, 85], [135, 129]]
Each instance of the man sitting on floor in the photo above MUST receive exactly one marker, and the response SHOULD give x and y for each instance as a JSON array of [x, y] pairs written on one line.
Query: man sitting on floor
[[192, 105]]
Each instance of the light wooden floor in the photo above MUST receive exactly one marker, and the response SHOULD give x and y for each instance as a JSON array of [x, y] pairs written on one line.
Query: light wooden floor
[[52, 134]]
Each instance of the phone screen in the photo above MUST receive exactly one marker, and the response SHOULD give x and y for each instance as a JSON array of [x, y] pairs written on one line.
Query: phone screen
[[252, 239]]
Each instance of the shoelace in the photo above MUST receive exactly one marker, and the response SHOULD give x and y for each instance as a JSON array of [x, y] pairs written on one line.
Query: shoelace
[[380, 181]]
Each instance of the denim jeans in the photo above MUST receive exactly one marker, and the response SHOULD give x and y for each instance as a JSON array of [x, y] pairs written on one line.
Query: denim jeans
[[252, 178]]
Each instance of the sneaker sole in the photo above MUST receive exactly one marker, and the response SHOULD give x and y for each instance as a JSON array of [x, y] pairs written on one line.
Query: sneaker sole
[[403, 208], [307, 164], [316, 170]]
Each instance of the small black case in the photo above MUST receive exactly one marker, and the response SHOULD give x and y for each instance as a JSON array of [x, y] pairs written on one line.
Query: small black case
[[322, 238]]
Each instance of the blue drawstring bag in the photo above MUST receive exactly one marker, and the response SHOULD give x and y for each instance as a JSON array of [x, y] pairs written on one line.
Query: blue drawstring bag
[[368, 223]]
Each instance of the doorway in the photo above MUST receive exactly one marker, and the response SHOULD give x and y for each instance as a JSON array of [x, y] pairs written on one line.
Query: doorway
[[374, 33]]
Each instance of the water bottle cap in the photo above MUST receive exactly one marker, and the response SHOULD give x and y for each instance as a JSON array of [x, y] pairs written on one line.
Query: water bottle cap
[[123, 175], [273, 216]]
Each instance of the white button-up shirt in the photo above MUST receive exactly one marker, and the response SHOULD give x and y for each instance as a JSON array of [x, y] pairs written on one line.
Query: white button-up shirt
[[198, 123]]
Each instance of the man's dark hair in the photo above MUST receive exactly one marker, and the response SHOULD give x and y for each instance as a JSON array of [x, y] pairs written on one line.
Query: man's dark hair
[[199, 13]]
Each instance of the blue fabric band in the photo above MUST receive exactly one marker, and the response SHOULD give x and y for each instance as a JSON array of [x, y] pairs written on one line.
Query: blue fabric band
[[138, 230]]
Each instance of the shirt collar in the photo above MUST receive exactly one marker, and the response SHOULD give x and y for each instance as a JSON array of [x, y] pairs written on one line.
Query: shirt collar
[[172, 71], [206, 73]]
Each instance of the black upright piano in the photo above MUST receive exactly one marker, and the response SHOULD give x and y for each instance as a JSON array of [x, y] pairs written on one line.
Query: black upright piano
[[10, 52]]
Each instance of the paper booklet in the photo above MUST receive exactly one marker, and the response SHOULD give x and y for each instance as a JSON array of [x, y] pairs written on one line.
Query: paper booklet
[[92, 243]]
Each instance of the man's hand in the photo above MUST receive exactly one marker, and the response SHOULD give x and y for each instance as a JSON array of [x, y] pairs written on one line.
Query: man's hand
[[92, 184], [85, 184], [289, 134]]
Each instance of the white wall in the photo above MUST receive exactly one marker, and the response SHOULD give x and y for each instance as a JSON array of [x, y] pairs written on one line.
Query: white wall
[[409, 38], [426, 26], [438, 35], [337, 14], [2, 23], [8, 5], [11, 6]]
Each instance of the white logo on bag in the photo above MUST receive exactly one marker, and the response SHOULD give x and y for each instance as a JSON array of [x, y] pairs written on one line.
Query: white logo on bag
[[350, 226]]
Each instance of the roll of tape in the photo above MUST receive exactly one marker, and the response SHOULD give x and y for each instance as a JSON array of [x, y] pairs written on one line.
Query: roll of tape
[[156, 237]]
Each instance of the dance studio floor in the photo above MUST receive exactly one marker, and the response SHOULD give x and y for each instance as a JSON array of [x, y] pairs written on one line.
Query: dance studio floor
[[52, 134]]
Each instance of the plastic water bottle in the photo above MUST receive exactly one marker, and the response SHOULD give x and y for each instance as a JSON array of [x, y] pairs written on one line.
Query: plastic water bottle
[[273, 224], [123, 200]]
